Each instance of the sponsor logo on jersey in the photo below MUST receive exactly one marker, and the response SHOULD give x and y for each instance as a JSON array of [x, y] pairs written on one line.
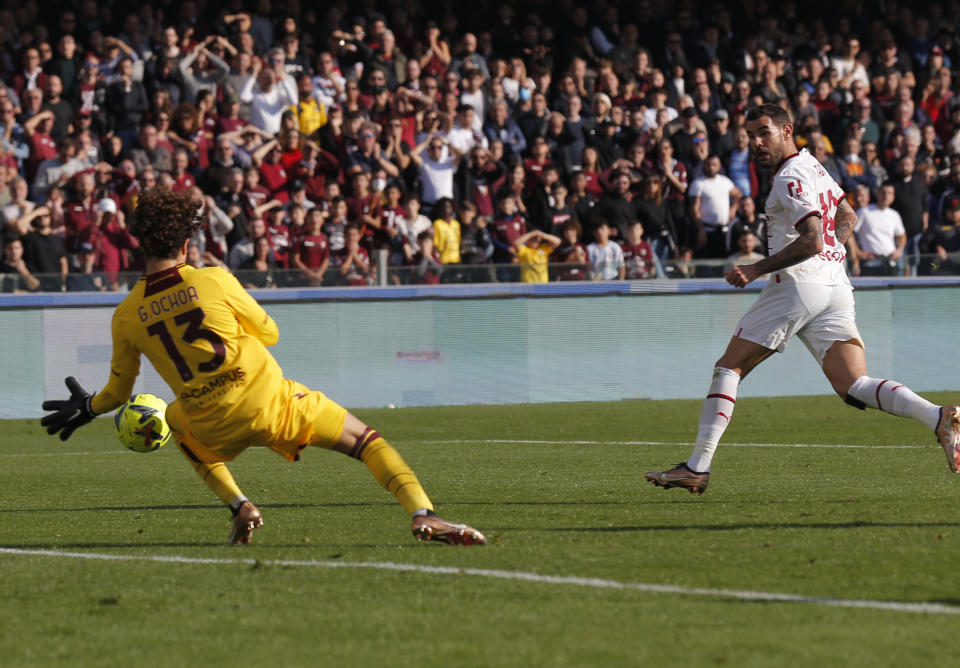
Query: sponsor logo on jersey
[[218, 382]]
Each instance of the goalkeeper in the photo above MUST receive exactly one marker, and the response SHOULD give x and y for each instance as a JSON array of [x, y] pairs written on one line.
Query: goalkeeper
[[207, 338]]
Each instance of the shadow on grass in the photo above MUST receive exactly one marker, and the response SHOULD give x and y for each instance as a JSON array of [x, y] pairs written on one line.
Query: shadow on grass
[[90, 544], [237, 551], [205, 506], [761, 525], [386, 503]]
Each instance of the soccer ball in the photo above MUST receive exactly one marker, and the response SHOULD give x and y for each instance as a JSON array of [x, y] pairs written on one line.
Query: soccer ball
[[140, 425]]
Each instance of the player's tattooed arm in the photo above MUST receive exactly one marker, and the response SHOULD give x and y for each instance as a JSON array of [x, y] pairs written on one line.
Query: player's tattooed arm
[[808, 244], [845, 221]]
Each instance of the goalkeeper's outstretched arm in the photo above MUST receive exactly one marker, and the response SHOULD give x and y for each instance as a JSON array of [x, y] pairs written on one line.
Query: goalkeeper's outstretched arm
[[216, 476]]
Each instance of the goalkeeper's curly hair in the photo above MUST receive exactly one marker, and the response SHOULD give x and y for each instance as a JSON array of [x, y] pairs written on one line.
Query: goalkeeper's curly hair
[[163, 221]]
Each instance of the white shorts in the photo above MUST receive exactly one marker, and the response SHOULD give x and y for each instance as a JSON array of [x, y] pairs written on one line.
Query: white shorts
[[819, 315]]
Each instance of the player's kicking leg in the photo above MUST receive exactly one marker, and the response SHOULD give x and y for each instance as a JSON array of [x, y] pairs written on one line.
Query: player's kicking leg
[[693, 475], [846, 367], [387, 466]]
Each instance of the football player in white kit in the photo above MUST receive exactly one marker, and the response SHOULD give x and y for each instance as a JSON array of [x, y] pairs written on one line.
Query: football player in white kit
[[809, 296]]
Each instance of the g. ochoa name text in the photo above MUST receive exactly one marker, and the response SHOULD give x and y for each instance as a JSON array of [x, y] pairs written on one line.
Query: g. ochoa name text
[[166, 303]]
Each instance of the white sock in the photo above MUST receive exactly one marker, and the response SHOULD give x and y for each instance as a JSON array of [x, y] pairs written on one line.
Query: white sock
[[714, 417], [894, 398]]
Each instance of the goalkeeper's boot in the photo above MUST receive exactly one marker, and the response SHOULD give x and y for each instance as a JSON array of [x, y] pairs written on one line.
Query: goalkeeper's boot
[[680, 476], [431, 527], [948, 433]]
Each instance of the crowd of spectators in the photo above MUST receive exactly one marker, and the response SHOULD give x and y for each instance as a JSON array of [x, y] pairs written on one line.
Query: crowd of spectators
[[483, 141]]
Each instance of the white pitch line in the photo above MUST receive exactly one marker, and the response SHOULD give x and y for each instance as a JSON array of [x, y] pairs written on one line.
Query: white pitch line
[[596, 583], [731, 445], [527, 442]]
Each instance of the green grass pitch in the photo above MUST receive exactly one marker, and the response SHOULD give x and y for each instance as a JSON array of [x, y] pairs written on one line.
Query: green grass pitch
[[577, 545]]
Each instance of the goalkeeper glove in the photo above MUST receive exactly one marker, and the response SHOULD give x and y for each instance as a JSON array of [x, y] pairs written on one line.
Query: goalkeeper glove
[[70, 413]]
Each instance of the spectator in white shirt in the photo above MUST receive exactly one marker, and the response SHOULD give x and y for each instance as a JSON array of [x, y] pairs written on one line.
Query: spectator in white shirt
[[328, 80], [59, 170], [605, 256], [473, 95], [437, 168], [881, 236], [463, 136], [713, 204], [268, 98]]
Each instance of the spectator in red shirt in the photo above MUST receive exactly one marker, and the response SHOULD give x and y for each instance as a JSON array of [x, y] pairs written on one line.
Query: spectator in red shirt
[[183, 178], [559, 211], [81, 214], [534, 165], [315, 169], [476, 177], [279, 236], [638, 254], [312, 254], [114, 241], [427, 261], [515, 185], [508, 227], [828, 111], [290, 149], [187, 132], [254, 195], [229, 119], [363, 209], [42, 146], [352, 261], [590, 168], [273, 175], [392, 223], [296, 222], [570, 257]]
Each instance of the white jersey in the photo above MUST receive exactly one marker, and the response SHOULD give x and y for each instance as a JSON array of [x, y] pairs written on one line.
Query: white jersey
[[802, 188]]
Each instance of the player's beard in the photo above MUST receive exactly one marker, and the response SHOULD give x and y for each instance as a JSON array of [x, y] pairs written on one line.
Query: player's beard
[[771, 156]]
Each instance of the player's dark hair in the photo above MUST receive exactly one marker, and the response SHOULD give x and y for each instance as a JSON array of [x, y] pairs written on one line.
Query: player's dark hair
[[163, 221], [777, 114]]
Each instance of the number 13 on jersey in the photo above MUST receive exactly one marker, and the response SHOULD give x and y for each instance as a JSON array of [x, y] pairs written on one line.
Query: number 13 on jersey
[[193, 319]]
